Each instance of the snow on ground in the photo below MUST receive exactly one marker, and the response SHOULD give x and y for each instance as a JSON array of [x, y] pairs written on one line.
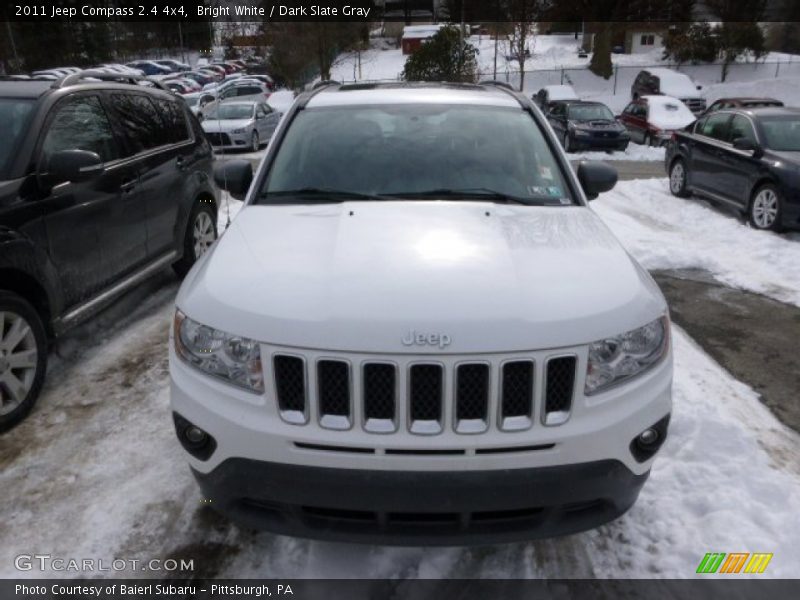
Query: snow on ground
[[96, 471], [632, 152], [664, 232]]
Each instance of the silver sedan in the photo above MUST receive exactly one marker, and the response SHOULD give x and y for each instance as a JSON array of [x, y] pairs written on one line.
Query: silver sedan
[[240, 125]]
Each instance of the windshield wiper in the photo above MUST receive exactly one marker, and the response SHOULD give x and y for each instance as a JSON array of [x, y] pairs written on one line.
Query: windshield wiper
[[480, 194], [321, 195]]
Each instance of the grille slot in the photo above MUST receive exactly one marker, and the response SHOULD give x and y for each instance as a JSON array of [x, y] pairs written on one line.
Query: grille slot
[[472, 397], [380, 402], [516, 395], [425, 398], [559, 389], [333, 384], [290, 387]]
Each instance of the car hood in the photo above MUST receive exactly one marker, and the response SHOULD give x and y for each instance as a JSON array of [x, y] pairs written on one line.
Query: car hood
[[212, 125], [359, 276]]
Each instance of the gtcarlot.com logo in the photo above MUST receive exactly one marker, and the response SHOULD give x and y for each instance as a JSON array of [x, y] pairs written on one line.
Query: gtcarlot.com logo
[[734, 563], [46, 562]]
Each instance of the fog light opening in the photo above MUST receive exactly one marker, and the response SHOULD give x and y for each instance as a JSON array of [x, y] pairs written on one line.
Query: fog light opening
[[195, 435], [648, 437]]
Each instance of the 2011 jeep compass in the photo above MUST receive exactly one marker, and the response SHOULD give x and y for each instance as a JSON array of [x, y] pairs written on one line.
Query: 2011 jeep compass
[[416, 331]]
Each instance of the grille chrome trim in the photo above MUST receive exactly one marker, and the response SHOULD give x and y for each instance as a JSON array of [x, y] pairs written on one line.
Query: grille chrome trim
[[516, 422], [471, 425], [373, 424], [340, 422], [425, 426], [295, 417], [554, 418]]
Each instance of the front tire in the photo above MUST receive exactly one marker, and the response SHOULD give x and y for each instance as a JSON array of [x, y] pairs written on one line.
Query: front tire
[[765, 209], [255, 143], [677, 179], [201, 233], [23, 358]]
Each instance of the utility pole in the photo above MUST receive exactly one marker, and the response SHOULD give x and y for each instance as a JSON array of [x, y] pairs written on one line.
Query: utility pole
[[180, 40]]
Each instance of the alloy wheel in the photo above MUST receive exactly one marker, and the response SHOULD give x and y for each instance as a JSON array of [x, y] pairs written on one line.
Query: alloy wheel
[[676, 178], [202, 234], [18, 360], [765, 208]]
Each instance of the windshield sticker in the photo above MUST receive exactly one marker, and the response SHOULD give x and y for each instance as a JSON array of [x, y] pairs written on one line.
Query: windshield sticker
[[537, 190], [545, 172], [554, 191]]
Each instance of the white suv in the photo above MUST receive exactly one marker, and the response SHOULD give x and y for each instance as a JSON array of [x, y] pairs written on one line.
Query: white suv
[[416, 331]]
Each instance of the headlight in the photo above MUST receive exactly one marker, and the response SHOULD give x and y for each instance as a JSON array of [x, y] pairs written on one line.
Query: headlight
[[581, 133], [232, 358], [619, 358], [241, 130]]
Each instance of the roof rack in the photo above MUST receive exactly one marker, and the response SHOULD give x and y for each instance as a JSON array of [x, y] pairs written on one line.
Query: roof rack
[[316, 89], [78, 77], [496, 83]]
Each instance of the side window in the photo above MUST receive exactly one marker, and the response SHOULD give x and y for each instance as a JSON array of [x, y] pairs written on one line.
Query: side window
[[174, 121], [139, 121], [699, 124], [229, 93], [741, 128], [716, 126], [639, 110], [249, 91], [629, 109], [80, 123]]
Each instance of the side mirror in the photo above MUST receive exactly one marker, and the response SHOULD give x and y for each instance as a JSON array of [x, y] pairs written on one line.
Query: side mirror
[[596, 177], [73, 165], [748, 145], [699, 87], [234, 177]]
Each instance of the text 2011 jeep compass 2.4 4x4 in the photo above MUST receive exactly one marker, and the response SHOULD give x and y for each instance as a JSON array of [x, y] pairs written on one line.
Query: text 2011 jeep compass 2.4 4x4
[[416, 330]]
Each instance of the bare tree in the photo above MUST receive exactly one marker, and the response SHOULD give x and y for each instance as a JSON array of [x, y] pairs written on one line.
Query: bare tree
[[523, 15]]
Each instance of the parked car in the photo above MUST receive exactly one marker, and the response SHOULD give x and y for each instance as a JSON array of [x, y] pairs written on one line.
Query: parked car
[[150, 68], [553, 93], [121, 69], [746, 158], [583, 125], [265, 79], [235, 125], [246, 90], [182, 86], [217, 73], [651, 120], [197, 101], [417, 331], [666, 82], [741, 103], [174, 65], [101, 185], [202, 79]]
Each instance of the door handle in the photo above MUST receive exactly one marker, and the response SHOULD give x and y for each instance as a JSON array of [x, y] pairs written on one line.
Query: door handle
[[180, 162], [127, 186]]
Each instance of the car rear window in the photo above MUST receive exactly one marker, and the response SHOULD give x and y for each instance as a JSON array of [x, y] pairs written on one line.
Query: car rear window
[[139, 120], [175, 129]]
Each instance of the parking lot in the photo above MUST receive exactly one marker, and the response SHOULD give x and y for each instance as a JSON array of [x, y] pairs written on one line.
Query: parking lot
[[96, 470]]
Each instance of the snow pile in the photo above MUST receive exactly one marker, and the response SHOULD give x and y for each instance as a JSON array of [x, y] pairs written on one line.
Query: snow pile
[[668, 113], [637, 152], [664, 232], [784, 89], [560, 92]]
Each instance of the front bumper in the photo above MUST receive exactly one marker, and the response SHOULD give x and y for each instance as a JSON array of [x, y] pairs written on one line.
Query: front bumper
[[226, 140], [417, 507]]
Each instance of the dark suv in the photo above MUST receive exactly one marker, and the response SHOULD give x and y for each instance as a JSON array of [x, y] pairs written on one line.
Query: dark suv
[[102, 183]]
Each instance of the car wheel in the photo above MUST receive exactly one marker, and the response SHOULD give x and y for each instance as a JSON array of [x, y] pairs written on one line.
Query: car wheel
[[254, 142], [677, 179], [567, 143], [765, 208], [23, 358], [201, 233]]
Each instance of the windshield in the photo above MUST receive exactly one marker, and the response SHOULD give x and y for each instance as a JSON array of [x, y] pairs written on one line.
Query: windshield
[[782, 133], [427, 151], [231, 111], [14, 114], [192, 100], [591, 112]]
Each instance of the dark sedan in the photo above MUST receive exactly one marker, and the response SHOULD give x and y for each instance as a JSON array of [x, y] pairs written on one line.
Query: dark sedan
[[746, 158], [724, 103], [587, 125]]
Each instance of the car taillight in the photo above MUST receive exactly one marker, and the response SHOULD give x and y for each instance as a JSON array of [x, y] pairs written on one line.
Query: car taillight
[[674, 136]]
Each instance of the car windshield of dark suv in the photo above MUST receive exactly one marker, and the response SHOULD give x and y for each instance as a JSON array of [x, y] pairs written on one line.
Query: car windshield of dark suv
[[782, 133], [415, 152], [14, 113], [590, 112]]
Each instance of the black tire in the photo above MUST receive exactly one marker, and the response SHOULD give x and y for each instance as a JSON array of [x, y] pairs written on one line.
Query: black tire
[[255, 143], [203, 209], [759, 216], [677, 179], [31, 377]]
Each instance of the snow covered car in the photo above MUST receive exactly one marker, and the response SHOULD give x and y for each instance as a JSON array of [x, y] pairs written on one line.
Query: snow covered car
[[666, 82], [651, 120], [240, 125], [553, 93], [417, 331]]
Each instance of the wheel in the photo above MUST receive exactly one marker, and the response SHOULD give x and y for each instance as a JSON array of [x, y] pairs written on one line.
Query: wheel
[[765, 208], [255, 144], [23, 358], [567, 143], [677, 179], [201, 233]]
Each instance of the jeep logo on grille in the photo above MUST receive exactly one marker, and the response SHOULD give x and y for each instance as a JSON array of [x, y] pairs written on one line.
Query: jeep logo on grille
[[419, 338]]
